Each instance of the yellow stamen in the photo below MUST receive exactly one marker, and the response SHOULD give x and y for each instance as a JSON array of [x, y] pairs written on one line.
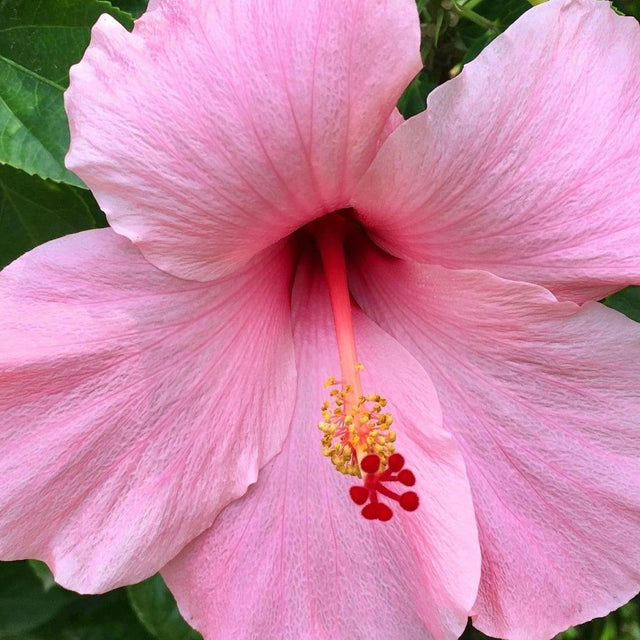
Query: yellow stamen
[[353, 429]]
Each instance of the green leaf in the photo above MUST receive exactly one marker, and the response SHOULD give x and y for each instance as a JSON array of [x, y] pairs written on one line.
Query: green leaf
[[414, 98], [24, 603], [156, 608], [28, 611], [43, 573], [628, 7], [135, 7], [105, 617], [39, 41], [33, 211], [438, 25], [626, 301]]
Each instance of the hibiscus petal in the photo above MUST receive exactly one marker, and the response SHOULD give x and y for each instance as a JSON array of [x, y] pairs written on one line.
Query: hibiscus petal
[[217, 128], [543, 398], [528, 164], [294, 556], [134, 405]]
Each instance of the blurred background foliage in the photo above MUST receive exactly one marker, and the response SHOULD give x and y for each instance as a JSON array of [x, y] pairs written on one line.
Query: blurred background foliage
[[41, 200]]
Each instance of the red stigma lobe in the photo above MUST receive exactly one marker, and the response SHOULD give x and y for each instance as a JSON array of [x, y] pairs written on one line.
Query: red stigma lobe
[[374, 485]]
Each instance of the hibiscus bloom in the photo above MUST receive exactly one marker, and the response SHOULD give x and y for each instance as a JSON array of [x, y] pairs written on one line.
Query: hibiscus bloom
[[162, 380]]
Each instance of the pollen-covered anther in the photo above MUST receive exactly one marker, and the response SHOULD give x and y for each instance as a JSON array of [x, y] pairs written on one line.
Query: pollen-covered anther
[[354, 427], [374, 486]]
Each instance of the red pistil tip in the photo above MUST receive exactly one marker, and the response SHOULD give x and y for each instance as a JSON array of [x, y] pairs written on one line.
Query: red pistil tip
[[370, 512], [396, 462], [407, 478], [377, 511], [409, 501], [384, 513], [359, 494], [371, 463], [374, 486]]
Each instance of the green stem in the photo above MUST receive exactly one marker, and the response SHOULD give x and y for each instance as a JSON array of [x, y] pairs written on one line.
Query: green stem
[[470, 4], [465, 11]]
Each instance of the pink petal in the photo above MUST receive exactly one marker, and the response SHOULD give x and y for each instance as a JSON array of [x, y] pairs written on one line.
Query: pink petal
[[128, 403], [217, 128], [543, 398], [294, 559], [528, 164]]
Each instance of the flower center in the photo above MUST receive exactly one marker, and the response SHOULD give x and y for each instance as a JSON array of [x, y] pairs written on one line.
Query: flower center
[[356, 428]]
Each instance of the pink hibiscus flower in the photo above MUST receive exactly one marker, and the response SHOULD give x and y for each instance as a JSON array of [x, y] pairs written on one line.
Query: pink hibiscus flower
[[162, 380]]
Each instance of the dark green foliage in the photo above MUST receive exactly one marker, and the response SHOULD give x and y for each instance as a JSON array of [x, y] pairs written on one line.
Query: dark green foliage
[[414, 98], [33, 607], [33, 211], [626, 301], [158, 612], [135, 7], [25, 604], [39, 41], [628, 7]]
